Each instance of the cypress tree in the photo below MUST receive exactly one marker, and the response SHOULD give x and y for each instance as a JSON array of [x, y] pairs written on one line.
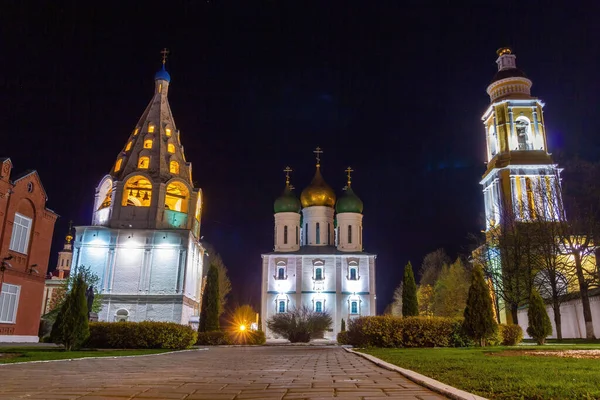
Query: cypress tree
[[209, 316], [71, 327], [410, 305], [539, 323], [479, 314], [343, 325]]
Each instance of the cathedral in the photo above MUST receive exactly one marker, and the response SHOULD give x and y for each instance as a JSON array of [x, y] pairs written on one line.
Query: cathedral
[[318, 259], [143, 240]]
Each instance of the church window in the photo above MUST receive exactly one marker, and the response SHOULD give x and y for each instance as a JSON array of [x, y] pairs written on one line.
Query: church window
[[319, 274], [530, 198], [280, 273], [281, 306], [177, 197], [160, 88], [493, 141], [144, 162], [349, 234], [523, 129], [67, 262], [285, 234], [9, 302], [353, 274], [174, 167], [296, 235], [128, 147], [171, 148], [148, 143], [354, 307], [118, 164], [121, 315], [19, 240], [318, 238], [319, 306], [328, 233], [306, 234], [198, 206], [136, 131], [150, 128], [105, 194], [168, 132], [62, 262], [137, 192]]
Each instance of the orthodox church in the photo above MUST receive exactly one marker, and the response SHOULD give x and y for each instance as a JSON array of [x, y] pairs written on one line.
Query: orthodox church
[[318, 259], [143, 240]]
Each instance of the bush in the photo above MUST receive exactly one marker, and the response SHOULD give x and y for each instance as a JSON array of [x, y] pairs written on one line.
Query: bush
[[141, 335], [215, 338], [71, 328], [299, 324], [390, 331], [511, 335], [539, 323], [342, 337], [252, 338], [219, 338]]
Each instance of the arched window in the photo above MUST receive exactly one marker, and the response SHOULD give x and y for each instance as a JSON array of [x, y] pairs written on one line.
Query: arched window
[[306, 234], [136, 131], [281, 306], [150, 128], [118, 165], [349, 234], [354, 307], [105, 194], [530, 198], [353, 273], [137, 192], [177, 197], [296, 235], [171, 148], [128, 147], [174, 167], [524, 137], [121, 315], [285, 234], [144, 162], [328, 233], [148, 143], [318, 306], [198, 206], [319, 274], [280, 272], [493, 140], [318, 241], [168, 132]]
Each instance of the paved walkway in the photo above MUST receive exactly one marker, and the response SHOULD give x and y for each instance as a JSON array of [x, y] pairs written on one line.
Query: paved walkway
[[215, 374]]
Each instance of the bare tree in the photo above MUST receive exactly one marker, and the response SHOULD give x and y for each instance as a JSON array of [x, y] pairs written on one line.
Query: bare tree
[[396, 305], [432, 266]]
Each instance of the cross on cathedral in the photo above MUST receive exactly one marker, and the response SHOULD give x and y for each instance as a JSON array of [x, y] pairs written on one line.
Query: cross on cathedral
[[349, 171], [287, 171], [318, 151], [165, 52]]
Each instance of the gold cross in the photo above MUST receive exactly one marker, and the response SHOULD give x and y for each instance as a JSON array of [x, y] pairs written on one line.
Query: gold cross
[[349, 170], [318, 152], [287, 171], [165, 53]]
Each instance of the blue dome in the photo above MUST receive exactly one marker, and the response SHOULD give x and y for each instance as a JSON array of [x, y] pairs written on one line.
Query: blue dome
[[162, 74]]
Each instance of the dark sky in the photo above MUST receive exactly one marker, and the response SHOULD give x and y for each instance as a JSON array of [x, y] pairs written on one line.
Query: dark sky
[[394, 89]]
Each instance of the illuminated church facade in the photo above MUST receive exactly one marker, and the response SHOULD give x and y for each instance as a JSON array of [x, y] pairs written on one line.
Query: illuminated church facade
[[318, 259], [143, 240]]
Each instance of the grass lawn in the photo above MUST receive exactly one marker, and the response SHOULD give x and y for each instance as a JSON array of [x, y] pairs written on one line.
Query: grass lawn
[[21, 354], [512, 375]]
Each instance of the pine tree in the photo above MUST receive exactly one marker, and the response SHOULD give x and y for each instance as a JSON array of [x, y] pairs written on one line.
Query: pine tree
[[71, 326], [410, 305], [479, 314], [209, 316], [539, 323], [343, 328]]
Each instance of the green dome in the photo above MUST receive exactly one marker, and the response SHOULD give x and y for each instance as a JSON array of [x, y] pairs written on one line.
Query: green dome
[[349, 203], [287, 202]]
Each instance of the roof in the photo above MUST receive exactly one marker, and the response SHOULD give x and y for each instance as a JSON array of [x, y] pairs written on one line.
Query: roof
[[320, 250], [29, 172], [508, 73]]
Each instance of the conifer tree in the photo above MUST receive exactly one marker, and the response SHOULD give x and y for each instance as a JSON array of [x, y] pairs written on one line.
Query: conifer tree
[[410, 305], [209, 316], [71, 326], [343, 328], [479, 315], [539, 323]]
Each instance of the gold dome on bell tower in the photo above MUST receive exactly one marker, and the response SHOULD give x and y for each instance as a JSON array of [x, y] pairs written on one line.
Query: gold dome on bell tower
[[318, 193]]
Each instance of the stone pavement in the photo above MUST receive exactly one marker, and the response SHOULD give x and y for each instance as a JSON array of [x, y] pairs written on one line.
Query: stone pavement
[[218, 373]]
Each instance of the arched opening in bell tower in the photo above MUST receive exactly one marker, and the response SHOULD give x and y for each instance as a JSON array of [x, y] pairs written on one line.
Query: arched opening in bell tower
[[177, 197], [137, 192], [523, 132]]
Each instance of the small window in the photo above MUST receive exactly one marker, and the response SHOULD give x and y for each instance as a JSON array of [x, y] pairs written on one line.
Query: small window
[[174, 167], [354, 307], [319, 274], [328, 233], [144, 162], [136, 131], [349, 234], [9, 303], [319, 306], [171, 148], [318, 241], [280, 273], [281, 306], [296, 235], [30, 187], [62, 262], [148, 143], [168, 132], [19, 240], [306, 234], [285, 234], [128, 147], [122, 315], [150, 128], [160, 88], [353, 274], [118, 164]]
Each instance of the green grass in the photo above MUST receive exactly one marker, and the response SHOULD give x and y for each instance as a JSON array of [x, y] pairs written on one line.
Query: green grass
[[22, 354], [485, 372]]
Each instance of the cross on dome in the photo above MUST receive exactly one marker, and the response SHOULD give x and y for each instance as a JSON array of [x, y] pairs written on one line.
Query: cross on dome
[[349, 171], [287, 171], [165, 52], [318, 151]]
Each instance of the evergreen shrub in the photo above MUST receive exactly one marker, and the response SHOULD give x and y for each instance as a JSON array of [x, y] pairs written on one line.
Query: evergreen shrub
[[140, 335], [252, 338], [539, 323], [214, 338], [220, 338], [342, 337], [511, 335], [390, 331]]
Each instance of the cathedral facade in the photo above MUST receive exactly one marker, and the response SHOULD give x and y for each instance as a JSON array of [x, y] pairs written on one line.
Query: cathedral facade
[[143, 240], [318, 259]]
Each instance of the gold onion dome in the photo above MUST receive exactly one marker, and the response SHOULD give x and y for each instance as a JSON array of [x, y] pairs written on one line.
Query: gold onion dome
[[318, 193]]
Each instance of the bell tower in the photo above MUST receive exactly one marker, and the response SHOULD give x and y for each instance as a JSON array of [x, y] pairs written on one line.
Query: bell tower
[[519, 166]]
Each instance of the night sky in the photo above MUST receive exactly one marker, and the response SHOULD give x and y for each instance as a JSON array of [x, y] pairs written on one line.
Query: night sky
[[394, 89]]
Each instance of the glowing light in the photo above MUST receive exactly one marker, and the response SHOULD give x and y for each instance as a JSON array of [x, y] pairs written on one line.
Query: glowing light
[[150, 128], [171, 148], [168, 132], [242, 328]]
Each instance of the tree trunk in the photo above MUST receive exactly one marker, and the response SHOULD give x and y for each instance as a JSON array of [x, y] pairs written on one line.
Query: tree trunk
[[585, 299], [514, 313], [557, 319]]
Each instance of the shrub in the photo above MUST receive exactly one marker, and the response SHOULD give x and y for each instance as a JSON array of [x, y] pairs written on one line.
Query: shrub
[[219, 338], [300, 324], [253, 338], [141, 335], [71, 326], [215, 338], [390, 331], [209, 315], [479, 323], [410, 304], [539, 323], [511, 335], [342, 337]]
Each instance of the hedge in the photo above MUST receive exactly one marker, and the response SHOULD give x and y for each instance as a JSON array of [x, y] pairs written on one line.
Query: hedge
[[219, 338], [389, 331], [511, 335], [140, 335]]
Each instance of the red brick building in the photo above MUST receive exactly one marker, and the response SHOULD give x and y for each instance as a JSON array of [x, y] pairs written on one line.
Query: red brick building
[[26, 228]]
